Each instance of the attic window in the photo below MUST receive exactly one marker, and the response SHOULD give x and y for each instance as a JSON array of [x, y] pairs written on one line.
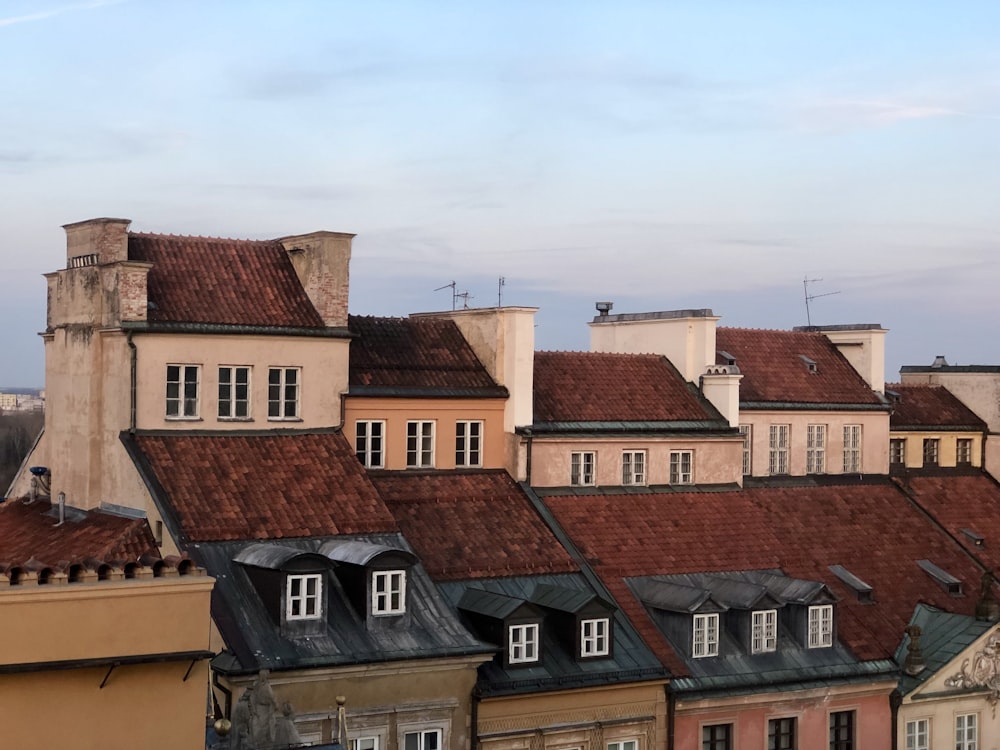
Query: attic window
[[821, 626], [977, 539], [943, 578], [522, 643], [389, 592], [706, 636], [764, 635], [594, 640], [304, 593], [810, 363], [855, 584]]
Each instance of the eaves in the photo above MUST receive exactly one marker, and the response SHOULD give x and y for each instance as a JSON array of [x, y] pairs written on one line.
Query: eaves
[[691, 688], [936, 428], [384, 391], [704, 428], [230, 329], [800, 406]]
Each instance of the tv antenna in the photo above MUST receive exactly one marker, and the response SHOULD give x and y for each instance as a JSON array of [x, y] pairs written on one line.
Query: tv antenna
[[456, 295], [806, 281], [500, 286]]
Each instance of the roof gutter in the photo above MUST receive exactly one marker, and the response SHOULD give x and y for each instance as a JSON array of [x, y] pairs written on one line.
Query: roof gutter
[[133, 354]]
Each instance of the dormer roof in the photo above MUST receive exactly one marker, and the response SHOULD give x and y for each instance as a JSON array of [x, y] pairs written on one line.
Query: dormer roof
[[929, 406]]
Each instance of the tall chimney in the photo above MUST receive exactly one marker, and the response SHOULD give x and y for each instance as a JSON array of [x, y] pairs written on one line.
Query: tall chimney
[[322, 261]]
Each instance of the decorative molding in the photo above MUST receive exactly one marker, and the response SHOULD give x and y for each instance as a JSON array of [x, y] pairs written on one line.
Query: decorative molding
[[981, 671]]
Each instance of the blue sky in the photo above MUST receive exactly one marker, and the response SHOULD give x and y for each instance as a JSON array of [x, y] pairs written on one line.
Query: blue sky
[[659, 154]]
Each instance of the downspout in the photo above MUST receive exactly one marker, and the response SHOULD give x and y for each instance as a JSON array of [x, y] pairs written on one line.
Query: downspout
[[895, 700], [527, 460], [474, 738], [671, 715], [133, 357]]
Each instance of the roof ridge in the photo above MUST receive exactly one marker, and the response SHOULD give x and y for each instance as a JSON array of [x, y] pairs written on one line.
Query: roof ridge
[[233, 240], [768, 330]]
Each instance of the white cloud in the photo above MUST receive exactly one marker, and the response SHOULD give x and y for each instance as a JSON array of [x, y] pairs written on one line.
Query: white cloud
[[43, 15]]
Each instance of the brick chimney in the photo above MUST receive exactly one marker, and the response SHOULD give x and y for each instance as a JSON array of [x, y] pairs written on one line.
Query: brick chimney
[[96, 241], [322, 261]]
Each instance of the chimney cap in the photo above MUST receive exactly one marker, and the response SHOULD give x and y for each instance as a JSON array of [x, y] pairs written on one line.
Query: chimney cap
[[603, 308]]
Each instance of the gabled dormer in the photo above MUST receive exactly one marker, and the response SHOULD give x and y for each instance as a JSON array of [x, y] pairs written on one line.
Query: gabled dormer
[[375, 577], [581, 620], [514, 624], [811, 616], [293, 586], [691, 617]]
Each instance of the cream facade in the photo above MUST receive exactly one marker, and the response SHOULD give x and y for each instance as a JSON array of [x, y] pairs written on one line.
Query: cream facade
[[947, 449]]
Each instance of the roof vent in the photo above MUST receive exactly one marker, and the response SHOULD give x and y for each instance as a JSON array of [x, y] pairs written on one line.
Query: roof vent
[[603, 308], [855, 584], [728, 359], [810, 363], [977, 539], [939, 361], [944, 579]]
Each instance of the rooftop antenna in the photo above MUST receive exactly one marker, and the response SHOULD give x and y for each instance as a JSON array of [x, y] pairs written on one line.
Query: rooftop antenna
[[806, 281], [464, 296], [500, 285], [454, 294]]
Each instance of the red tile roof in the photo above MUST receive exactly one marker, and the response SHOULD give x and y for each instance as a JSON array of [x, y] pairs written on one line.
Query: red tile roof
[[472, 525], [221, 281], [871, 529], [774, 371], [413, 353], [928, 406], [225, 487], [962, 501], [599, 387], [30, 531]]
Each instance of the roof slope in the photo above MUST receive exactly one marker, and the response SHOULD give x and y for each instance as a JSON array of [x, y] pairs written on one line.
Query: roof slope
[[929, 406], [259, 486], [774, 370], [467, 525], [961, 501], [944, 636], [427, 353], [600, 387], [221, 281], [870, 528]]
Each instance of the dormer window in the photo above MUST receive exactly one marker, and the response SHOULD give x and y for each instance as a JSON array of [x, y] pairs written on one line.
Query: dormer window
[[522, 643], [706, 636], [594, 639], [764, 635], [304, 597], [821, 626], [389, 592]]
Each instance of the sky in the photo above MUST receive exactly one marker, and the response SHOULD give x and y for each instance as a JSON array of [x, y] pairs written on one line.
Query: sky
[[660, 155]]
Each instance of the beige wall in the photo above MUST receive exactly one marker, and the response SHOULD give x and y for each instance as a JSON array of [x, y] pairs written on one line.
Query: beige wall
[[980, 391], [396, 412], [716, 461], [947, 447], [874, 438]]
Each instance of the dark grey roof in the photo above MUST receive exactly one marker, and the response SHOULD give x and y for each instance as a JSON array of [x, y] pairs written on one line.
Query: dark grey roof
[[255, 641], [570, 600], [270, 556], [673, 596], [944, 636], [489, 603], [359, 552], [559, 668]]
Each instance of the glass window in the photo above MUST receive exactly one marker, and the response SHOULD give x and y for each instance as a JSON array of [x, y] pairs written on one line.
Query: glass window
[[389, 592], [429, 739], [717, 737], [918, 735], [764, 636], [821, 626], [594, 639], [633, 467], [816, 449], [681, 467], [852, 449], [747, 432], [706, 636], [778, 449], [963, 451], [283, 392], [365, 743], [897, 451], [967, 732], [581, 471], [842, 730], [931, 450], [468, 444], [369, 443], [624, 745], [182, 391], [781, 734], [234, 392], [304, 594], [419, 445], [522, 643]]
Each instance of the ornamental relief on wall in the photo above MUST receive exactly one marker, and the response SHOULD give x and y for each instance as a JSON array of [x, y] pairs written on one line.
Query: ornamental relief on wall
[[981, 670]]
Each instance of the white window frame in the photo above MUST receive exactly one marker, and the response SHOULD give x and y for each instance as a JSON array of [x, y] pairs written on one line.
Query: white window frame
[[388, 592], [899, 443], [623, 745], [229, 378], [853, 436], [967, 732], [310, 604], [634, 467], [420, 444], [522, 643], [369, 447], [368, 742], [582, 468], [746, 430], [469, 442], [963, 451], [816, 449], [764, 631], [778, 436], [820, 624], [918, 733], [284, 398], [681, 467], [595, 637], [180, 404], [934, 446], [705, 636], [422, 735]]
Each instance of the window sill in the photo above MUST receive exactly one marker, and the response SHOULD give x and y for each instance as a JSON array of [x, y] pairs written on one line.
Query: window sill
[[236, 419], [284, 419], [184, 419]]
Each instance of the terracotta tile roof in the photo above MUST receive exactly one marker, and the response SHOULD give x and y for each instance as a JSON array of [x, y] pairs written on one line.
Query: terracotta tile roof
[[233, 486], [774, 371], [413, 353], [30, 531], [221, 281], [962, 501], [928, 406], [599, 387], [870, 528], [472, 525]]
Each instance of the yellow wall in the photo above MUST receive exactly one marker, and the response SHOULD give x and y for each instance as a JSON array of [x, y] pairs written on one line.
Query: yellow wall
[[947, 447]]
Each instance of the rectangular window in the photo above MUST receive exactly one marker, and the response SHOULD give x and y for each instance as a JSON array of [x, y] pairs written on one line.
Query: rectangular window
[[897, 452], [963, 451], [918, 735], [594, 637], [931, 451], [717, 737], [304, 597], [852, 449], [781, 734], [389, 592], [429, 739], [633, 467], [624, 745], [369, 444], [778, 449], [468, 444], [419, 445], [842, 730], [234, 392], [283, 392], [182, 391], [746, 431], [967, 732], [365, 743], [706, 636], [764, 636], [681, 467], [522, 643], [581, 468], [821, 626], [816, 449]]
